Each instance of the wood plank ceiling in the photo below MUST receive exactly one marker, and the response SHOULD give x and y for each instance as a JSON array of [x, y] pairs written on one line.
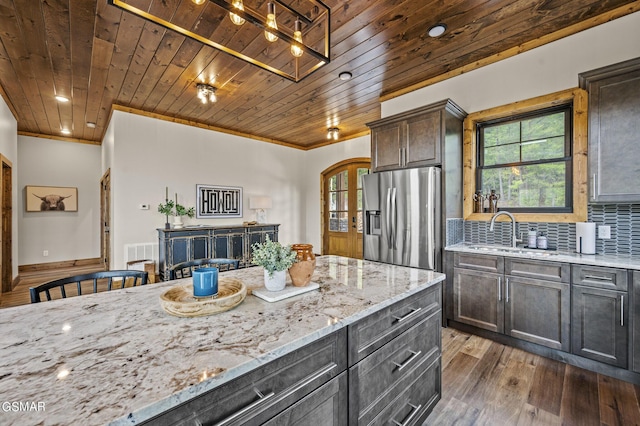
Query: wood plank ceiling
[[100, 56]]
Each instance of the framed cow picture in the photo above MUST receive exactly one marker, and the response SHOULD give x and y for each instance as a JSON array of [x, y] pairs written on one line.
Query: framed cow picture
[[51, 198]]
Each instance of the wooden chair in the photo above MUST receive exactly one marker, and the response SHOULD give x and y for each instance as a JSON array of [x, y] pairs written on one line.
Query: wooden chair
[[89, 283], [184, 269]]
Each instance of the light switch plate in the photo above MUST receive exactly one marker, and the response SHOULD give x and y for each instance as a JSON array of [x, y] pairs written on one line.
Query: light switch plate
[[604, 232]]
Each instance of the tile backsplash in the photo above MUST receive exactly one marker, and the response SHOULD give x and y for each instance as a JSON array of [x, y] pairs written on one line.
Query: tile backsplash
[[624, 220]]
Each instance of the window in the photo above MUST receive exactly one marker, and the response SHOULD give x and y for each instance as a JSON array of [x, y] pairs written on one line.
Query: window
[[527, 159]]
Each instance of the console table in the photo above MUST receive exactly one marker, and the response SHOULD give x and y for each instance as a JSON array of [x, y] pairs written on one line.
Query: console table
[[201, 242]]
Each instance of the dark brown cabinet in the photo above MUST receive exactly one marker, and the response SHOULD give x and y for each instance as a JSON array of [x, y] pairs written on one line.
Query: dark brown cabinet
[[415, 138], [600, 314], [614, 126], [525, 299], [232, 242]]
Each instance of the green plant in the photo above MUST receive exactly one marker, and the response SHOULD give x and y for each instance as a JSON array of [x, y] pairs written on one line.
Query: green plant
[[166, 208], [174, 209], [273, 256], [183, 211]]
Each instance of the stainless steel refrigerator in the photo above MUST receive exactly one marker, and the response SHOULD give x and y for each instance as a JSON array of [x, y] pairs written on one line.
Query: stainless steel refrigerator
[[402, 217]]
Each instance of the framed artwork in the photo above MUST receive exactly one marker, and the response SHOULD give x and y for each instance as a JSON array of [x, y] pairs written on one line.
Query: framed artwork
[[216, 202], [51, 198]]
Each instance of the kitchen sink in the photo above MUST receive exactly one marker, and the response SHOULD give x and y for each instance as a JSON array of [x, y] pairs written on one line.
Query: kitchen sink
[[514, 250]]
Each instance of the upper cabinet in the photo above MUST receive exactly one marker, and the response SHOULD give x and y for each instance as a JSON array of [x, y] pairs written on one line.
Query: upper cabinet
[[614, 132], [415, 138]]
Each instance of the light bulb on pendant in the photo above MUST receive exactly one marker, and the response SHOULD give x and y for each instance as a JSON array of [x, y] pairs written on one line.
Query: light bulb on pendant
[[271, 22], [235, 18], [297, 36], [198, 2]]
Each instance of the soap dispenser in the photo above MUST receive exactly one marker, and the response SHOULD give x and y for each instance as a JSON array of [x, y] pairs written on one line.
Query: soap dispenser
[[542, 241]]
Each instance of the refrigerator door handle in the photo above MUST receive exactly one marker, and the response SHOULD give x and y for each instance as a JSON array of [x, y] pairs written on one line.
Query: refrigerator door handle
[[388, 217], [431, 239], [394, 218]]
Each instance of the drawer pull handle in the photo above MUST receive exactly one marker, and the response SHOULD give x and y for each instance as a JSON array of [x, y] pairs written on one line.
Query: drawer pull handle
[[597, 278], [506, 287], [622, 310], [407, 316], [414, 412], [413, 356], [249, 407], [499, 289]]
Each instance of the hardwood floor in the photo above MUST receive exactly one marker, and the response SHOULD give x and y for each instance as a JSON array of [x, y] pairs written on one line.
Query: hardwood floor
[[484, 382], [487, 383], [20, 294]]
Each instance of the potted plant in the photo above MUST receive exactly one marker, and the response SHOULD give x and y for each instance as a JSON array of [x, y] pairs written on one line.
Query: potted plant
[[171, 208], [276, 259]]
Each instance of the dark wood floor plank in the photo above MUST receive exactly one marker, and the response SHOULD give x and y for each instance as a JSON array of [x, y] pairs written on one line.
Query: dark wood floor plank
[[547, 386], [484, 378], [510, 395], [453, 412], [452, 342], [534, 416], [580, 405], [456, 373], [618, 402]]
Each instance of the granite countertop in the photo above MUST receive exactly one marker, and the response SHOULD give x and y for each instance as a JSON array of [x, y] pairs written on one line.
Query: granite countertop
[[119, 357], [608, 260]]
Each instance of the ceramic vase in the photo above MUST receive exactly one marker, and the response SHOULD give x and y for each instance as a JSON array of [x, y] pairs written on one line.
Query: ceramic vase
[[276, 281], [302, 270], [177, 222]]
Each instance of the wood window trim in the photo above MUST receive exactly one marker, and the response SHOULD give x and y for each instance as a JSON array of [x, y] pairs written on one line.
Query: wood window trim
[[579, 99]]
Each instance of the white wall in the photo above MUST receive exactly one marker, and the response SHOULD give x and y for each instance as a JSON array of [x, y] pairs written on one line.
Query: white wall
[[546, 69], [66, 235], [150, 154], [9, 148], [316, 161]]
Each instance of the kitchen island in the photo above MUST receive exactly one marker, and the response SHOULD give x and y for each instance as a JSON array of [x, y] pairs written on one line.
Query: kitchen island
[[119, 357]]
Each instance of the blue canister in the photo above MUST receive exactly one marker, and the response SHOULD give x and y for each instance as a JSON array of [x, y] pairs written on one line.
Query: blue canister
[[205, 282]]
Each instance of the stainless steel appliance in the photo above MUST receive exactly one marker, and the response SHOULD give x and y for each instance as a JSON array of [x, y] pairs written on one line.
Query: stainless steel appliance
[[402, 217]]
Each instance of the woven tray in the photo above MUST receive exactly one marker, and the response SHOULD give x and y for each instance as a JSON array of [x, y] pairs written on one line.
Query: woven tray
[[179, 300]]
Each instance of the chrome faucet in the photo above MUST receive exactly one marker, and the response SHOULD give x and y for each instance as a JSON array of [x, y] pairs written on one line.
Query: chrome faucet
[[514, 238]]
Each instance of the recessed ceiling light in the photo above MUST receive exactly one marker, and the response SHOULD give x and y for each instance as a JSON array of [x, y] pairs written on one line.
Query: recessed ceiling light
[[91, 125], [345, 75], [437, 30], [62, 98], [65, 131]]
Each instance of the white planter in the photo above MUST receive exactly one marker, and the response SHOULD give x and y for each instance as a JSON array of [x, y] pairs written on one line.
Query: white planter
[[177, 222], [276, 282]]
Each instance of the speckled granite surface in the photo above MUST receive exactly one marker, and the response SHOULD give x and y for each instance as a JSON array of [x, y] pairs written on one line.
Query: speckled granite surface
[[118, 357], [609, 260]]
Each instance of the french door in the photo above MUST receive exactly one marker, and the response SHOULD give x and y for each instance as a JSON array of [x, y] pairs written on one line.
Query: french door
[[342, 208]]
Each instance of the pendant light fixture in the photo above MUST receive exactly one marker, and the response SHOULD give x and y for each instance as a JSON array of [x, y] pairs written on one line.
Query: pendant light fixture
[[300, 20], [271, 22], [206, 93], [333, 133], [297, 36], [235, 18]]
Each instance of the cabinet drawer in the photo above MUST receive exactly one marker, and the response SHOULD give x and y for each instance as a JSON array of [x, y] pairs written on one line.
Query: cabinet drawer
[[479, 262], [415, 399], [548, 271], [379, 328], [266, 391], [371, 379], [326, 406], [228, 231], [597, 276]]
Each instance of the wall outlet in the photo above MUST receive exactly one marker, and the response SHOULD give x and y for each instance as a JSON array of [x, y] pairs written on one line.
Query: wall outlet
[[45, 253], [144, 206], [604, 232]]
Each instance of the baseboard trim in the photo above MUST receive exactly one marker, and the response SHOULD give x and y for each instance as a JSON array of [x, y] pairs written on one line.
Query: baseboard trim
[[36, 267]]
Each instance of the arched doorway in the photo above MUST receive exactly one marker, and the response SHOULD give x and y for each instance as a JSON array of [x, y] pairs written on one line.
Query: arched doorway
[[341, 202]]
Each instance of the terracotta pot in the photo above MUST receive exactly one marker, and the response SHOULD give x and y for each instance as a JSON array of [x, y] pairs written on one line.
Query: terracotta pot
[[302, 270]]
